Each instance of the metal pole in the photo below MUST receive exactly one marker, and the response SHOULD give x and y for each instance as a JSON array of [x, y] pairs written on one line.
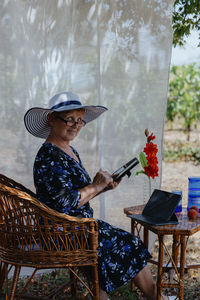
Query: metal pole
[[100, 125]]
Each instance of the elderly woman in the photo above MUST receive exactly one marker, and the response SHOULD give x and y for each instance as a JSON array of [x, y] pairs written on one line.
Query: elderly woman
[[63, 184]]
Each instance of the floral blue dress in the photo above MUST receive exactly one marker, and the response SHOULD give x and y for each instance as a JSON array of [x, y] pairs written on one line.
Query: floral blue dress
[[57, 178]]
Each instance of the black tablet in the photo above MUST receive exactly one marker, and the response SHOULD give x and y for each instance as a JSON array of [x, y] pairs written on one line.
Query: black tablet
[[125, 169]]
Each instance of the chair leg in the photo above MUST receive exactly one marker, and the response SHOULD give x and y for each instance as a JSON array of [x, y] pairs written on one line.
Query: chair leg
[[89, 281], [3, 268], [73, 284], [95, 282], [14, 282]]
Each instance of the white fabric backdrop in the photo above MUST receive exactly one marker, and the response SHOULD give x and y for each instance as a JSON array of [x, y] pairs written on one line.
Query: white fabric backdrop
[[113, 53]]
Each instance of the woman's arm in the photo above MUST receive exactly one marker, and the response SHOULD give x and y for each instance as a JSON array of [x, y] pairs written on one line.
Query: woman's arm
[[55, 183], [102, 182]]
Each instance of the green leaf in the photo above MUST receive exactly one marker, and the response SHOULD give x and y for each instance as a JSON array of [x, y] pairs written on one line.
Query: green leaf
[[143, 160], [139, 172]]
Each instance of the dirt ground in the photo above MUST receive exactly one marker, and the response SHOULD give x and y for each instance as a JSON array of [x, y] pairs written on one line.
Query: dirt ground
[[175, 174]]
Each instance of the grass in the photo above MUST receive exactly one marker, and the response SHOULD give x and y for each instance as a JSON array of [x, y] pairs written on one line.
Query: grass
[[43, 284], [177, 148], [183, 152]]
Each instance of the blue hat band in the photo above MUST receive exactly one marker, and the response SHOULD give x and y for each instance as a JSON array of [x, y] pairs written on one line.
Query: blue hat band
[[66, 103]]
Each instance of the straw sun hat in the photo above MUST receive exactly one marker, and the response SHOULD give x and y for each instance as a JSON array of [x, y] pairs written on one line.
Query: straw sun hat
[[36, 118]]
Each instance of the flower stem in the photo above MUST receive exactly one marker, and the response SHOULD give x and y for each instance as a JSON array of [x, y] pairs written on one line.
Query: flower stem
[[149, 186]]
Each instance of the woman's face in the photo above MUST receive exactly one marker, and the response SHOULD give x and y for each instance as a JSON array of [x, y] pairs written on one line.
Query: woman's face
[[63, 130]]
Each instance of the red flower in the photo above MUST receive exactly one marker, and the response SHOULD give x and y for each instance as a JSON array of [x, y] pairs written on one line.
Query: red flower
[[152, 160], [151, 170], [151, 138], [151, 149], [146, 132]]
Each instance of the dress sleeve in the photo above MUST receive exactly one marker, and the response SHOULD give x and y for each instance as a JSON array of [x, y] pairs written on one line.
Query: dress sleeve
[[54, 181]]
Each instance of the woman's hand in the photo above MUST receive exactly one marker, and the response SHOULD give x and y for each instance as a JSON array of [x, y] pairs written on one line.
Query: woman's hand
[[103, 181], [112, 185]]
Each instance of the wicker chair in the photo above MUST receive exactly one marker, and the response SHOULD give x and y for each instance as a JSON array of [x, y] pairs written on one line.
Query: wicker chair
[[33, 235]]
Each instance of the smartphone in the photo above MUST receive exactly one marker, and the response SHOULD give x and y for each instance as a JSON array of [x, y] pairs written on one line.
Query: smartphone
[[125, 169]]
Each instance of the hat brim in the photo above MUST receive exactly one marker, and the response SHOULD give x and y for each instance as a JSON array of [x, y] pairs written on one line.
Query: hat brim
[[36, 118]]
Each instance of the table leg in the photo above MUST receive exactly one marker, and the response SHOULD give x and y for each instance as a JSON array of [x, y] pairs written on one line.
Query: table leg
[[182, 267], [175, 252], [146, 237], [160, 267], [145, 240], [133, 225]]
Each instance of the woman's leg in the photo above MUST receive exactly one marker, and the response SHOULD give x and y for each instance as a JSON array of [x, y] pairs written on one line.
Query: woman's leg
[[144, 281]]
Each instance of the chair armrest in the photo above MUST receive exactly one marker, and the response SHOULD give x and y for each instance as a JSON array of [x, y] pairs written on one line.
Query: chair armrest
[[43, 207]]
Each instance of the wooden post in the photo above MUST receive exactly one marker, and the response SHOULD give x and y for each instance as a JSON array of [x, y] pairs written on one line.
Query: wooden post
[[175, 252], [146, 237], [182, 266], [160, 267]]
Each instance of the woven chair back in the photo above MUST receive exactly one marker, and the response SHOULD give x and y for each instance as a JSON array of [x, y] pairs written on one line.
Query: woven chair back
[[33, 234], [16, 185]]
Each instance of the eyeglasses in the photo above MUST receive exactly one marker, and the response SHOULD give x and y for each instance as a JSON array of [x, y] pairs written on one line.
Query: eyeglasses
[[71, 122]]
